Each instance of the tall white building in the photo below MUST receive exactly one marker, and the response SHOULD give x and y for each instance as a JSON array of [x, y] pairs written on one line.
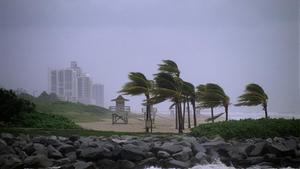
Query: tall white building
[[71, 84], [84, 89], [98, 94]]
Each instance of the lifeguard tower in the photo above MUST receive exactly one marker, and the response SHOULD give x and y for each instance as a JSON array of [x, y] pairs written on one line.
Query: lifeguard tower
[[120, 111]]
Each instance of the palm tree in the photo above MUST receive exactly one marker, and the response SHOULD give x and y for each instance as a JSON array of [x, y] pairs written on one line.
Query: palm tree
[[170, 87], [254, 95], [139, 85], [207, 98], [189, 94], [217, 92]]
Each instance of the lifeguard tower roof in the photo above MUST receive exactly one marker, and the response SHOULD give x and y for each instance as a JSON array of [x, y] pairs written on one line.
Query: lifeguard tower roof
[[120, 98]]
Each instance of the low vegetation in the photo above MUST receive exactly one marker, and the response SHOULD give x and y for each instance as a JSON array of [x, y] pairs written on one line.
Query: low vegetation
[[250, 128], [43, 120]]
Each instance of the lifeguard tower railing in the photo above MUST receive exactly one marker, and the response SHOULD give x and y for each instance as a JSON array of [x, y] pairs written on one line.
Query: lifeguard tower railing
[[120, 114]]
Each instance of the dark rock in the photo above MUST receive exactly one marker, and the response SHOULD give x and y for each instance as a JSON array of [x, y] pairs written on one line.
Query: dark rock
[[53, 153], [259, 149], [62, 161], [184, 155], [35, 148], [83, 165], [251, 161], [39, 160], [282, 147], [91, 153], [178, 164], [199, 156], [8, 138], [162, 155], [132, 152], [125, 164], [47, 141], [4, 148], [152, 161], [66, 148], [196, 147], [72, 156], [74, 138], [171, 148], [22, 155], [9, 161], [107, 163]]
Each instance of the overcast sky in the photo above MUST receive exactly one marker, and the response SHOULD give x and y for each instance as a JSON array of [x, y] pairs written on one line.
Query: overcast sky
[[229, 42]]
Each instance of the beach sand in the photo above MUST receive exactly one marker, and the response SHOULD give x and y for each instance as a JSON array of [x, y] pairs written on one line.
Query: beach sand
[[163, 123]]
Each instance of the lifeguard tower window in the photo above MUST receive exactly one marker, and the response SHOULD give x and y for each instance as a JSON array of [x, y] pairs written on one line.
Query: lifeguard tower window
[[120, 111]]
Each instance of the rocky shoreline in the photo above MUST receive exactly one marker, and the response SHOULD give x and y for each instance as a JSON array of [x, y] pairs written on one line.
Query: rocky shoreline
[[126, 152]]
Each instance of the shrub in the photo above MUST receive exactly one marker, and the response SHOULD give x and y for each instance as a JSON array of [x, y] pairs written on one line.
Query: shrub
[[249, 128]]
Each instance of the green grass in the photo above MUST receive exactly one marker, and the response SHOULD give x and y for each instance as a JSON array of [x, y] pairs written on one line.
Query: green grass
[[79, 132], [249, 128], [44, 120], [76, 111]]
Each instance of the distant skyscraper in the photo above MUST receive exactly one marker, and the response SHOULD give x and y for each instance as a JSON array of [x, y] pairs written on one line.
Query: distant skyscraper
[[84, 89], [71, 84], [98, 94], [63, 83]]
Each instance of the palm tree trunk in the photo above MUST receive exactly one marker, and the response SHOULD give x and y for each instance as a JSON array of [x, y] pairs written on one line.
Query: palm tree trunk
[[212, 114], [179, 118], [226, 112], [194, 111], [183, 117], [147, 114], [189, 115], [266, 111], [176, 116]]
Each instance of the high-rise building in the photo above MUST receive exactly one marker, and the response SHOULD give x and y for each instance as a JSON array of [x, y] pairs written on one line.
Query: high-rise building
[[98, 94], [71, 84], [84, 89]]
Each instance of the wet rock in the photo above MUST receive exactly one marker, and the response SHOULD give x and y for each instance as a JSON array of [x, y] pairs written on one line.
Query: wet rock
[[282, 147], [171, 148], [199, 156], [8, 138], [83, 165], [9, 161], [184, 155], [53, 153], [91, 153], [106, 163], [125, 164], [37, 161], [132, 152], [196, 147], [66, 148], [163, 155], [47, 141], [178, 164], [148, 162], [259, 149]]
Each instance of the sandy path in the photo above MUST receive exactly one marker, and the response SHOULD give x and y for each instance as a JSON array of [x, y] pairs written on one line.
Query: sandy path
[[162, 124]]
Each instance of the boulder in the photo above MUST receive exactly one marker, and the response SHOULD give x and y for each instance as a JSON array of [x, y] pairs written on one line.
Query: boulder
[[259, 149], [178, 164], [9, 161], [196, 147], [83, 165], [125, 164], [66, 148], [282, 147], [47, 141], [72, 156], [199, 156], [62, 161], [132, 152], [4, 148], [184, 155], [171, 148], [163, 155], [53, 153], [152, 161], [106, 163], [37, 161], [8, 138], [91, 153], [35, 148]]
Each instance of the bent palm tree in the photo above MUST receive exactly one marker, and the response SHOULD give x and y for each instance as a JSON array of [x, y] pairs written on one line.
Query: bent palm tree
[[169, 87], [207, 98], [138, 85], [217, 92], [254, 95]]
